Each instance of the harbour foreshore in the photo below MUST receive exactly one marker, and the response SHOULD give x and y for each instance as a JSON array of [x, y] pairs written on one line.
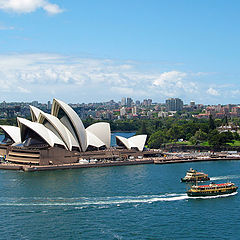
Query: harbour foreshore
[[150, 160], [183, 160], [33, 168]]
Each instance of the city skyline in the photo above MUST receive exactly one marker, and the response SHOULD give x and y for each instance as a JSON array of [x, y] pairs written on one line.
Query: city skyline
[[93, 52]]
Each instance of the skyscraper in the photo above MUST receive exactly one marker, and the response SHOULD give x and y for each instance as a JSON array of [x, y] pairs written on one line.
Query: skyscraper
[[174, 104], [122, 111], [49, 105], [134, 110], [129, 102], [123, 101]]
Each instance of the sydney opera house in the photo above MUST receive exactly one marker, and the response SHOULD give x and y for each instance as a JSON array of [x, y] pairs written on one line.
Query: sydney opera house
[[60, 137]]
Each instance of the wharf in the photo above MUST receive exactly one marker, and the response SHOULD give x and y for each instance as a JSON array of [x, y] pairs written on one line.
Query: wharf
[[34, 168], [162, 160], [149, 160]]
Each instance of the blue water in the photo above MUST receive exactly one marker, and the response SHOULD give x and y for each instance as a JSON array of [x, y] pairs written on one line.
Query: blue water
[[127, 202]]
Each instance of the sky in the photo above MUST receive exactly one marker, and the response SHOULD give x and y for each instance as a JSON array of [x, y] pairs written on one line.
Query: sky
[[98, 50]]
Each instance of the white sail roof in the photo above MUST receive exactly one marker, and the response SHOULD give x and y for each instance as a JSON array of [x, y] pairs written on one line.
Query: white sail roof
[[72, 121], [35, 113], [41, 130], [55, 125], [13, 132], [137, 141], [124, 141], [94, 141], [102, 131]]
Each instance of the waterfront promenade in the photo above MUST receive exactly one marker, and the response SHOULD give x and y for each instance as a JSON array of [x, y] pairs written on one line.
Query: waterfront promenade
[[166, 159]]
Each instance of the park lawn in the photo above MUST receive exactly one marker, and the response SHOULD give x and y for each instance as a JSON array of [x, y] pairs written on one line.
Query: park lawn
[[235, 143], [205, 144], [184, 143]]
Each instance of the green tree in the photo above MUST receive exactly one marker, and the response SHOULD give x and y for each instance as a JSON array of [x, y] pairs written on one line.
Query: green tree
[[214, 138], [236, 136], [198, 137], [175, 132], [201, 135], [157, 139], [225, 121], [143, 129], [212, 125], [193, 140], [217, 139]]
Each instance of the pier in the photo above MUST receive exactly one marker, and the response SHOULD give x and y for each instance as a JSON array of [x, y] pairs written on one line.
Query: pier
[[33, 168]]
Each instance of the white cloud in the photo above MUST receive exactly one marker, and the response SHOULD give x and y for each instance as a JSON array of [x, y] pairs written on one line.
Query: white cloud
[[3, 27], [44, 76], [175, 83], [170, 77], [23, 90], [52, 8], [213, 92], [28, 6]]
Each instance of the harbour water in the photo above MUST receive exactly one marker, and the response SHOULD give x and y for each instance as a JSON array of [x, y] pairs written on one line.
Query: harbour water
[[127, 202]]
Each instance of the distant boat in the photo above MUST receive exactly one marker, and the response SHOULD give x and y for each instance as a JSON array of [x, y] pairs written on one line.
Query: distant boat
[[212, 189], [195, 176]]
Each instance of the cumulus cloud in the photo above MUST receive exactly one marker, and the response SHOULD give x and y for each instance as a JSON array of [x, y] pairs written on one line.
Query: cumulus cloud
[[28, 6], [54, 70], [170, 77], [213, 92], [175, 83], [52, 75]]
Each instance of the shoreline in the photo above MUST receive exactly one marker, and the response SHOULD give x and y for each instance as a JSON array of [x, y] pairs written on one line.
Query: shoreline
[[184, 160], [156, 160], [33, 168]]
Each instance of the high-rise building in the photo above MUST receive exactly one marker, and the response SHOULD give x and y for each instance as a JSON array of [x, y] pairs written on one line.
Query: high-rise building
[[122, 111], [134, 110], [174, 104], [144, 103], [123, 102], [35, 103], [149, 102], [129, 102], [137, 102], [4, 104], [192, 103], [49, 105]]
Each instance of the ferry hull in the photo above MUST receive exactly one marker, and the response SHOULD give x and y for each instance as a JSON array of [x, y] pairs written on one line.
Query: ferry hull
[[214, 193]]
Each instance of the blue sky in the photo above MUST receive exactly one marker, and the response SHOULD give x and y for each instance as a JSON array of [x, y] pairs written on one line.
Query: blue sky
[[97, 50]]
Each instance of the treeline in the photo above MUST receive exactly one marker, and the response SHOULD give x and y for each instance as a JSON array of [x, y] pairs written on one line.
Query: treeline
[[170, 130], [194, 131], [10, 121]]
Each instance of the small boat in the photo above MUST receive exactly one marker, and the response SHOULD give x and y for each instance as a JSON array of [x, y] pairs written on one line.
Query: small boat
[[212, 189], [195, 176]]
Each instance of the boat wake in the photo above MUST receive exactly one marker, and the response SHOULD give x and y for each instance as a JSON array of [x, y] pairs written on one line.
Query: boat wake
[[87, 202], [100, 202], [224, 177]]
